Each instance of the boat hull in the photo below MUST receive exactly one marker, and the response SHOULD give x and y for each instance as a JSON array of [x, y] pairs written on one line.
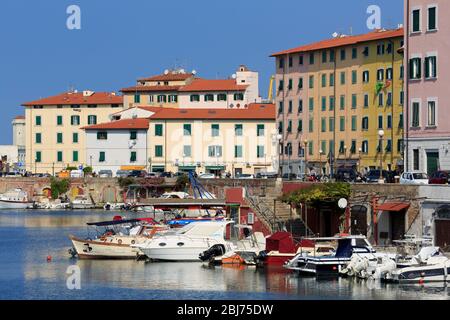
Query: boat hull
[[14, 205], [96, 249], [174, 254]]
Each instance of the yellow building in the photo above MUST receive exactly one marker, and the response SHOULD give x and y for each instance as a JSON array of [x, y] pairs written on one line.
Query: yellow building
[[54, 139], [323, 96]]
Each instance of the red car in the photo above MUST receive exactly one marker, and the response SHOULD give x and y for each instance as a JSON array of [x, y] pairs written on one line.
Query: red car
[[440, 177]]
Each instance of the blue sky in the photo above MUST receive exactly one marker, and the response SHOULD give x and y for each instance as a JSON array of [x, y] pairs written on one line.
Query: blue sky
[[122, 40]]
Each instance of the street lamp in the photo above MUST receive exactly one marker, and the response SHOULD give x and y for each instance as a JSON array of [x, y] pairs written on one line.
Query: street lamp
[[381, 135], [320, 161], [359, 159], [306, 155], [345, 156], [279, 139]]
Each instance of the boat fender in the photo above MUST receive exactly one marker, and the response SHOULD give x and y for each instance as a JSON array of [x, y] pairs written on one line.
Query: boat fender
[[119, 241]]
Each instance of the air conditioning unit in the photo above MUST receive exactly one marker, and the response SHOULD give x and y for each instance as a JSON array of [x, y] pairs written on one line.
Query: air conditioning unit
[[251, 218]]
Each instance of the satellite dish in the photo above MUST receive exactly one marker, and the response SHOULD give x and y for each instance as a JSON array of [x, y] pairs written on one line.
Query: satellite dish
[[342, 203], [166, 71], [194, 72], [234, 76], [335, 35]]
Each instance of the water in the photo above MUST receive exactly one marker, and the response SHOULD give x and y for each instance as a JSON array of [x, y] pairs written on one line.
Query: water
[[28, 237]]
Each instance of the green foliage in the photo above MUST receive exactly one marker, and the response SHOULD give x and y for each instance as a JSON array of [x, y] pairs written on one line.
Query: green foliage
[[87, 170], [182, 182], [124, 182], [59, 186], [319, 193], [71, 168]]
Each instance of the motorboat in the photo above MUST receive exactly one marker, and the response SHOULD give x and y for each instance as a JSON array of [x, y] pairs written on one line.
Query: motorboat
[[429, 265], [15, 199], [116, 240], [181, 222], [188, 242], [246, 250], [175, 195], [82, 202], [332, 264], [113, 206]]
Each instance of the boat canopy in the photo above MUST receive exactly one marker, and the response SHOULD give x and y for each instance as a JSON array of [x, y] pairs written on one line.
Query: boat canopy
[[113, 223]]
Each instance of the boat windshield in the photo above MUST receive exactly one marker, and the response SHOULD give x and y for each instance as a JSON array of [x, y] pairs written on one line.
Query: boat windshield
[[420, 176]]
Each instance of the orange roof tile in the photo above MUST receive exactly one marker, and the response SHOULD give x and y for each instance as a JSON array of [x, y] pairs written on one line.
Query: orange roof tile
[[19, 118], [138, 123], [255, 111], [151, 89], [78, 98], [169, 77], [200, 85], [345, 41]]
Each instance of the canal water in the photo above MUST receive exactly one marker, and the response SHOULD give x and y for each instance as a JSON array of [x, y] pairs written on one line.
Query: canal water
[[28, 237]]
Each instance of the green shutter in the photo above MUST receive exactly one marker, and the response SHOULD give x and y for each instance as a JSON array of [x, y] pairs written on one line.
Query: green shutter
[[158, 151], [342, 124], [137, 98], [215, 130], [133, 135], [59, 120], [354, 119], [133, 156], [238, 151], [102, 156], [260, 151], [158, 130], [59, 137], [75, 156], [260, 130], [38, 138], [187, 129], [59, 156], [238, 130], [75, 137], [38, 156], [38, 120]]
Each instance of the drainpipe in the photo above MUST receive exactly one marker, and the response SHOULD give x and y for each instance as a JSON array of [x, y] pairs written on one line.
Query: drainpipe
[[406, 100]]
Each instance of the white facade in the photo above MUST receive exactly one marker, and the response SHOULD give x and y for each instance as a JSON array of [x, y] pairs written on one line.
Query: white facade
[[19, 132], [11, 153], [184, 99], [117, 148], [425, 147], [131, 113]]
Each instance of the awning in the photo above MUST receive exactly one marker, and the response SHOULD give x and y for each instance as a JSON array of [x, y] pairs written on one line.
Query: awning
[[187, 167], [393, 206], [127, 168], [215, 167]]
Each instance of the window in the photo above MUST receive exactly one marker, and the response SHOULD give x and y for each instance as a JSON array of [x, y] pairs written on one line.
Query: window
[[158, 151], [102, 135], [260, 152], [238, 151], [311, 82], [133, 135], [209, 97], [311, 148], [59, 137], [366, 100], [281, 85], [38, 120], [300, 60], [389, 74], [415, 68], [365, 123], [281, 63], [431, 113], [342, 102], [389, 121], [389, 99], [342, 123], [323, 124], [38, 107], [92, 106], [280, 107], [290, 84], [380, 49], [59, 120], [187, 129], [416, 163], [402, 97], [380, 122], [365, 146], [311, 125], [195, 98], [416, 20], [380, 99], [75, 156], [311, 104], [331, 103], [388, 145], [59, 156], [260, 130], [75, 120], [301, 151], [288, 149], [38, 138], [353, 147], [343, 52], [289, 128], [342, 77], [354, 53], [300, 126], [366, 77], [380, 74], [215, 151], [133, 156], [324, 80], [415, 120], [366, 52], [158, 130], [75, 137], [215, 130], [400, 145], [342, 147], [331, 124], [400, 121], [221, 97], [331, 146], [102, 156], [150, 98], [162, 98], [331, 55], [311, 58], [290, 106], [137, 98], [290, 61], [402, 72], [324, 103], [432, 25], [331, 79], [430, 67], [238, 96], [354, 101], [187, 151], [324, 56], [38, 156], [354, 77], [389, 48], [280, 127], [323, 147], [300, 83], [92, 119], [380, 145], [300, 106], [354, 123]]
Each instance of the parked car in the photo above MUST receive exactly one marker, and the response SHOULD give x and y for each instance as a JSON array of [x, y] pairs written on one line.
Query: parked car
[[137, 174], [290, 176], [105, 173], [374, 175], [266, 175], [166, 175], [440, 177], [414, 178], [12, 175], [152, 175], [207, 176], [346, 175], [245, 176], [122, 173]]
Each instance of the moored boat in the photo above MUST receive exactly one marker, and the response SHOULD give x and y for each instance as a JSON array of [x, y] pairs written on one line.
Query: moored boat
[[15, 199]]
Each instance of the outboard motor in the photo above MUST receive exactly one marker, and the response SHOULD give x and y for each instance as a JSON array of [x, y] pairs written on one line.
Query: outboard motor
[[216, 250]]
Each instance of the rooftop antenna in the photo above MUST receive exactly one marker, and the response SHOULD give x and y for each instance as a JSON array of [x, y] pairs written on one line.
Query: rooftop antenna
[[351, 31]]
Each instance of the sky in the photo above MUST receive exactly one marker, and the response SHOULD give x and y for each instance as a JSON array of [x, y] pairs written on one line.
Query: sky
[[123, 40]]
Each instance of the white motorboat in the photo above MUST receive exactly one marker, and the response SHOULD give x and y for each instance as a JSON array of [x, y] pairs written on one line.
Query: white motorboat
[[117, 240], [82, 202], [15, 199], [187, 243]]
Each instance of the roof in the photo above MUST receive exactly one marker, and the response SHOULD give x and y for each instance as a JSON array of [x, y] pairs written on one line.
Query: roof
[[138, 123], [169, 77], [252, 112], [19, 118], [143, 88], [345, 41], [393, 206], [78, 98], [200, 85]]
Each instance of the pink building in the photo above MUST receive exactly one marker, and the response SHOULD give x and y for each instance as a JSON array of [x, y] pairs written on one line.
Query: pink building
[[427, 50]]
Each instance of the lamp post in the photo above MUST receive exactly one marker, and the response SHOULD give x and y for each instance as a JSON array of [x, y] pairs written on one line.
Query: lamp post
[[320, 161], [381, 135], [345, 156], [150, 164], [306, 155], [279, 139], [359, 159]]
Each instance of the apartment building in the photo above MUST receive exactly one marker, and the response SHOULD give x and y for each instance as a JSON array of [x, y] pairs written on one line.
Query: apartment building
[[327, 100], [54, 139], [428, 118]]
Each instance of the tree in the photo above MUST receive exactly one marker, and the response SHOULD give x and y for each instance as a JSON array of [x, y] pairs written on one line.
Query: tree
[[59, 186]]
